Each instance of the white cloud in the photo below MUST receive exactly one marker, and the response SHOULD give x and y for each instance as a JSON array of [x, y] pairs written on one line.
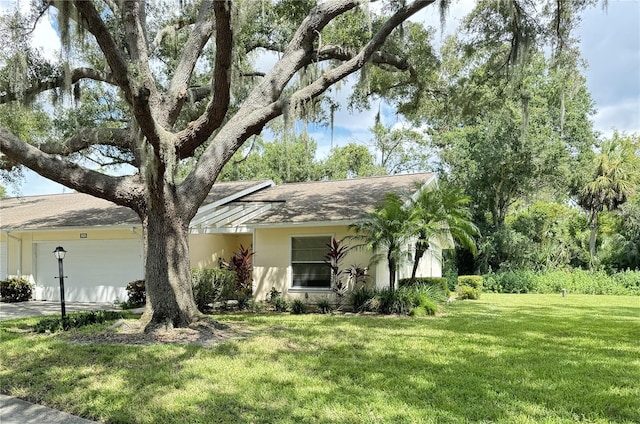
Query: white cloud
[[623, 116]]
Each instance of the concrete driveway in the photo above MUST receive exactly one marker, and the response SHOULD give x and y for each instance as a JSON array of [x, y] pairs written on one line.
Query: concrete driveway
[[36, 308]]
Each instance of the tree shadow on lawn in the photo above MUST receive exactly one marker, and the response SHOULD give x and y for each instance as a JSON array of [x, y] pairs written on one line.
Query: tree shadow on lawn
[[477, 364], [524, 364]]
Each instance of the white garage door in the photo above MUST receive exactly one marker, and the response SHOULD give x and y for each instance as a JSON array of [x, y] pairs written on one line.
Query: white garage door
[[95, 270], [3, 260]]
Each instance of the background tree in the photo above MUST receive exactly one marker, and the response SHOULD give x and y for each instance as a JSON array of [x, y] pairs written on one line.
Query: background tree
[[621, 247], [287, 159], [350, 161], [400, 149], [615, 177], [187, 84]]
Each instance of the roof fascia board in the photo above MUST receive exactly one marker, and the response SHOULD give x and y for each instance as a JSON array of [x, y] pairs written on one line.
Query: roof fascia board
[[204, 210], [92, 228]]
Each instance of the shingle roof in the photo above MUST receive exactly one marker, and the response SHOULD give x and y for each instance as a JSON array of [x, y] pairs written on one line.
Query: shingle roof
[[82, 210], [330, 201], [62, 210], [325, 201]]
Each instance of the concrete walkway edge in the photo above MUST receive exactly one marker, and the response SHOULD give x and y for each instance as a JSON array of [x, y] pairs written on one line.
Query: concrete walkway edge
[[18, 411]]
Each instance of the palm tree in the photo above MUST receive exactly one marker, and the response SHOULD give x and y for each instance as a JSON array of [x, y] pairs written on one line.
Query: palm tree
[[615, 177], [386, 228], [439, 213]]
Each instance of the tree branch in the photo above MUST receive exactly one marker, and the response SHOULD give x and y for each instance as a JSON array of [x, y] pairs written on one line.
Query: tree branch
[[201, 33], [330, 77], [88, 137], [332, 52], [261, 105], [107, 44], [57, 82], [168, 30], [124, 191], [200, 130]]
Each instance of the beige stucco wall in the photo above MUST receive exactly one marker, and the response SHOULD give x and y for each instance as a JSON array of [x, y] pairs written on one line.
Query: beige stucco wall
[[272, 261], [205, 249], [429, 266]]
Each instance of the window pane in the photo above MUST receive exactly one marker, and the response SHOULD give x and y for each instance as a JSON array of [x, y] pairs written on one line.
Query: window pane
[[311, 275], [309, 249], [307, 257]]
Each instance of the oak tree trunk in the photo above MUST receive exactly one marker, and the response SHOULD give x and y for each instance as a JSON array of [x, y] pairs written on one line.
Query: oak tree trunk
[[169, 291]]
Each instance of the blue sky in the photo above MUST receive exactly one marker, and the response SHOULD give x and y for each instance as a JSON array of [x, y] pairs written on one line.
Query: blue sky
[[610, 43]]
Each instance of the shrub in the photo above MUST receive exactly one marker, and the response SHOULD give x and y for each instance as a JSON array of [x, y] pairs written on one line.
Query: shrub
[[15, 289], [630, 280], [75, 320], [212, 285], [474, 281], [579, 281], [136, 295], [298, 307], [467, 292], [394, 301], [469, 286], [325, 306], [273, 293], [361, 299], [440, 283], [423, 294], [520, 281], [280, 304]]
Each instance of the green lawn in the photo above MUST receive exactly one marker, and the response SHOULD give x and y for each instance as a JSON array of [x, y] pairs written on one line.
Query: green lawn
[[504, 358]]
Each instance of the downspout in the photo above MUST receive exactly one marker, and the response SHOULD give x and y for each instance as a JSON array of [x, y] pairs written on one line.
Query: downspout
[[19, 254]]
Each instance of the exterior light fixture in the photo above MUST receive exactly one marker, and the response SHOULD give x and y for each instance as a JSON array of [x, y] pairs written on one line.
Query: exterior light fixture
[[59, 253]]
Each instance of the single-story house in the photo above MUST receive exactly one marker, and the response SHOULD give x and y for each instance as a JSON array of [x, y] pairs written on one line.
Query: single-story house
[[286, 225]]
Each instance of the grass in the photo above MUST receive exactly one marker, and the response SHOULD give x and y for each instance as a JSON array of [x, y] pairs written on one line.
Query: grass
[[504, 358]]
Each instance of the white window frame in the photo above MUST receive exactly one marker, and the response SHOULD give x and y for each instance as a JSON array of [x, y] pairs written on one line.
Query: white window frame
[[293, 288]]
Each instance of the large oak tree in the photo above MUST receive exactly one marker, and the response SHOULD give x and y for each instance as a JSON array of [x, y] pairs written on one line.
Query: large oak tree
[[130, 44], [176, 81]]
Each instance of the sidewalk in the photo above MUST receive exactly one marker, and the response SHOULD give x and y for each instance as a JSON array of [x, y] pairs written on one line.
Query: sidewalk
[[16, 411]]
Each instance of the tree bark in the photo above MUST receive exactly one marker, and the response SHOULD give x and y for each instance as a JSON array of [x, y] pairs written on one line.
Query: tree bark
[[592, 236], [421, 247], [392, 271], [170, 300]]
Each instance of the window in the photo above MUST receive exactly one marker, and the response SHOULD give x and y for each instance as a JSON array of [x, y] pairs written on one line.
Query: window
[[307, 262]]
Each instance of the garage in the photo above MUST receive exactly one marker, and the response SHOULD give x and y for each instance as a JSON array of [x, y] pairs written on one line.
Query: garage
[[95, 270]]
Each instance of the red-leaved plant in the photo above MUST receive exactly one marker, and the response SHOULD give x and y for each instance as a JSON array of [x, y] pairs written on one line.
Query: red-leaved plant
[[336, 253], [241, 264]]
